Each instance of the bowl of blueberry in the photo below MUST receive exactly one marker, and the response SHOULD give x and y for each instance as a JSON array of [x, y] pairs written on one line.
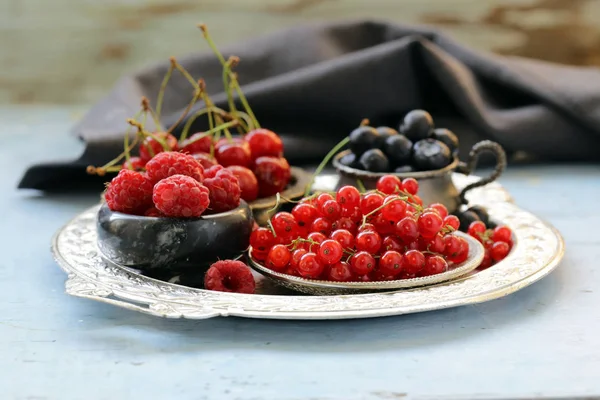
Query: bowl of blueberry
[[416, 150]]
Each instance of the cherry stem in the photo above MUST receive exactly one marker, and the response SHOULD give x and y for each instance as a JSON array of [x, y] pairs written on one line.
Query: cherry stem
[[244, 101], [194, 117], [216, 129], [325, 161], [163, 87], [226, 71], [126, 148], [198, 93], [148, 109]]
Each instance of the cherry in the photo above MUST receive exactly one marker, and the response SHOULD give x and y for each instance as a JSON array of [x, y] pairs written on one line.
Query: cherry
[[273, 175], [391, 263], [453, 221], [310, 266], [233, 154], [395, 208], [339, 272], [151, 147], [502, 234], [434, 265], [261, 240], [392, 243], [440, 208], [295, 259], [305, 214], [369, 241], [429, 224], [362, 263], [499, 251], [389, 184], [348, 197], [196, 144], [476, 229], [370, 202], [414, 261], [330, 251], [205, 159], [134, 163], [322, 225], [407, 229], [331, 210], [344, 238], [410, 186], [278, 258], [316, 237], [263, 142], [247, 181]]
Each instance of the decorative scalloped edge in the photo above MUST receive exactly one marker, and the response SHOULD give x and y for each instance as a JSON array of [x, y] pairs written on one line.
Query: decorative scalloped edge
[[538, 250]]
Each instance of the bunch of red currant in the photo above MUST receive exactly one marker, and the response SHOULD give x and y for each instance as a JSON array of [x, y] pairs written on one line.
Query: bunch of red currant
[[497, 242], [383, 234]]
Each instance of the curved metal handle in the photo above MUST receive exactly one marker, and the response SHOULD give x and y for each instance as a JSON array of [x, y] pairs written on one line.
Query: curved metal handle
[[469, 167]]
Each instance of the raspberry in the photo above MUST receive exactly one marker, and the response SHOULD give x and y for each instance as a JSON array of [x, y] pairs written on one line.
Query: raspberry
[[129, 192], [180, 196], [153, 212], [229, 276], [224, 189], [171, 163]]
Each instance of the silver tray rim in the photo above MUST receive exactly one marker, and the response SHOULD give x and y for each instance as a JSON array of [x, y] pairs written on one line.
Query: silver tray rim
[[539, 248]]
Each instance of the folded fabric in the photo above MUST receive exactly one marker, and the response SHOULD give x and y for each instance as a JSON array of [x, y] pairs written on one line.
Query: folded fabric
[[314, 84]]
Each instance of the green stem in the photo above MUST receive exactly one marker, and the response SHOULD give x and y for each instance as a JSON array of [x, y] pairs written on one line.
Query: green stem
[[163, 88], [325, 161], [244, 101], [216, 130], [361, 186], [198, 114], [187, 110], [126, 139]]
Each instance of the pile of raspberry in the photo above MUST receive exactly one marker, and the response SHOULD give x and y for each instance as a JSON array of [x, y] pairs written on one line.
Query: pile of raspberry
[[173, 185], [379, 235], [256, 159]]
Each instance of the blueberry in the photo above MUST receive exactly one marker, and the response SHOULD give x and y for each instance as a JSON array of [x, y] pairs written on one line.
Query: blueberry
[[398, 149], [363, 138], [384, 133], [466, 218], [417, 125], [447, 137], [481, 213], [374, 160], [404, 169], [349, 160], [431, 154]]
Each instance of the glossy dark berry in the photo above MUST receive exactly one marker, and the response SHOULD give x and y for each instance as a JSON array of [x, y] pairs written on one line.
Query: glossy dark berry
[[362, 139], [481, 213], [374, 160], [466, 218], [417, 125], [398, 149], [430, 154], [384, 133], [447, 137], [349, 160]]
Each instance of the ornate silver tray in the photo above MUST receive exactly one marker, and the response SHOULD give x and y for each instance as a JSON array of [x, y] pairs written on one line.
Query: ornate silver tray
[[537, 251]]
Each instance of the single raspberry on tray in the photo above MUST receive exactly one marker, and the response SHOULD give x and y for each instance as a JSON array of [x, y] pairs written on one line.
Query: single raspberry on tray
[[129, 192], [224, 189], [180, 196], [229, 276], [171, 163]]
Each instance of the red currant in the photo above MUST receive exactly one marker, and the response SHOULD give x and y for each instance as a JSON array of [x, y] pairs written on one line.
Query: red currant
[[263, 142], [463, 252], [330, 251], [310, 266], [247, 181], [379, 276], [368, 241], [339, 272], [434, 265], [261, 239], [370, 202], [316, 237], [476, 229], [437, 244], [367, 227], [410, 185], [197, 143], [499, 251], [414, 261], [344, 237], [348, 197], [502, 234], [151, 147], [331, 210], [394, 209], [344, 223], [260, 255], [452, 246], [417, 200], [305, 214], [278, 258], [440, 208], [383, 225], [453, 221], [322, 225], [273, 175], [391, 263], [362, 263], [389, 184], [407, 229], [322, 199], [353, 213], [392, 243], [430, 223], [487, 260], [284, 224], [295, 259]]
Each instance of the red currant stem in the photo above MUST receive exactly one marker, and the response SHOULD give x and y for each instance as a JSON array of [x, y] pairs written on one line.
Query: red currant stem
[[271, 211], [198, 93], [194, 117], [148, 109], [325, 161], [163, 87], [381, 207], [361, 186]]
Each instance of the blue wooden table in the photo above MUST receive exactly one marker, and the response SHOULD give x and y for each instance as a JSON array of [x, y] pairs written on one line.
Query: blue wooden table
[[543, 341]]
